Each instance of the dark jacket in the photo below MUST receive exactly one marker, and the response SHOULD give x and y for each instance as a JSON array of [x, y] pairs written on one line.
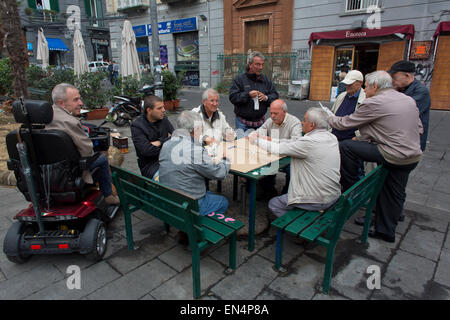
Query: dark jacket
[[143, 132], [421, 95], [243, 104]]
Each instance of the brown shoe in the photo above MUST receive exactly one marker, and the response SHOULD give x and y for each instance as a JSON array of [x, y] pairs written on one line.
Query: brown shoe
[[112, 200]]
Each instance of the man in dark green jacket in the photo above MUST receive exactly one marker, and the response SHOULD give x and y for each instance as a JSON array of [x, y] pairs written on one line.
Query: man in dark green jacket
[[402, 73]]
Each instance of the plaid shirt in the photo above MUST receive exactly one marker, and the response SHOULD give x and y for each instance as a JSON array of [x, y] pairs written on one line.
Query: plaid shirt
[[253, 124]]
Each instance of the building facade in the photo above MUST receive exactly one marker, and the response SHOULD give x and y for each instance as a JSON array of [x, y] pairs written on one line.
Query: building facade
[[190, 35], [371, 35], [57, 18]]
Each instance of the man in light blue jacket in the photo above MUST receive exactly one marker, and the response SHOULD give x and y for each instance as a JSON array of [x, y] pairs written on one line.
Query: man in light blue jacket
[[184, 165]]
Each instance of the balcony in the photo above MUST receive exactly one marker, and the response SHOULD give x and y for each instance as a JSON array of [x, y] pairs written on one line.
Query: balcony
[[131, 5], [360, 5]]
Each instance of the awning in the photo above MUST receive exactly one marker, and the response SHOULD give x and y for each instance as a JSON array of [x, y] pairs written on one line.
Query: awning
[[362, 33], [56, 44], [442, 27]]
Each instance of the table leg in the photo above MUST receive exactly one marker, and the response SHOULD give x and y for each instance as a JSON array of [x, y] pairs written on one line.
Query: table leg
[[235, 187], [251, 216]]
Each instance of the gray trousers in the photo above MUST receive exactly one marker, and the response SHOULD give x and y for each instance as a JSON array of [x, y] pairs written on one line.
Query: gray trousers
[[279, 207]]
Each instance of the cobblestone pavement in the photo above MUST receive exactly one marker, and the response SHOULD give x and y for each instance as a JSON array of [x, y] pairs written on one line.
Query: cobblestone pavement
[[416, 266]]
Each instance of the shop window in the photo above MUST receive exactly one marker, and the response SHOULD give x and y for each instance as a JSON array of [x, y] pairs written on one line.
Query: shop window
[[358, 5], [343, 62]]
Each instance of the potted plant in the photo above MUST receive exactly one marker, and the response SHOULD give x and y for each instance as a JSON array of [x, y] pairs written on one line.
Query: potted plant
[[171, 85], [92, 93]]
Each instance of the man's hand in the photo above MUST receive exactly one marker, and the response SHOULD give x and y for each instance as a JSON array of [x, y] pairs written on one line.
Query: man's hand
[[209, 140], [266, 138], [252, 137], [156, 143], [262, 96], [254, 93]]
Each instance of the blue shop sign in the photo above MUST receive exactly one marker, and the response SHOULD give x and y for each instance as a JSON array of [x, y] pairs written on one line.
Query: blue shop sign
[[165, 27]]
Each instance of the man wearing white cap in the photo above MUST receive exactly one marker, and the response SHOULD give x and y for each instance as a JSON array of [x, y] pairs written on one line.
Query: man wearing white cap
[[348, 101]]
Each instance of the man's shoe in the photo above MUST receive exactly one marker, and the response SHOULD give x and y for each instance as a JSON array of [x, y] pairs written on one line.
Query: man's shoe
[[382, 236], [112, 200], [361, 219]]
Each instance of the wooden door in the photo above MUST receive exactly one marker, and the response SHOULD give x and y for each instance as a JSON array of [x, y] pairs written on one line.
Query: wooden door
[[389, 53], [321, 72], [257, 36], [440, 84]]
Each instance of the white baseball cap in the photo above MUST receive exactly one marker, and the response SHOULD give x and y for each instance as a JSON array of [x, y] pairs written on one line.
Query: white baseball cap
[[353, 76]]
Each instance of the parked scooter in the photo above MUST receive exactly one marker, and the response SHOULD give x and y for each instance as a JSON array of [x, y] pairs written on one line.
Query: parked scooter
[[127, 108]]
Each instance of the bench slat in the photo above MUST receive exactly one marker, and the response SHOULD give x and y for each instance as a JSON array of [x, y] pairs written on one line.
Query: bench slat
[[302, 222], [287, 218], [216, 226], [318, 227], [212, 236], [234, 224]]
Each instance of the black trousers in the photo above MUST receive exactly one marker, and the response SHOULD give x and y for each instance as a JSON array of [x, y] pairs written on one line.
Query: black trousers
[[391, 199]]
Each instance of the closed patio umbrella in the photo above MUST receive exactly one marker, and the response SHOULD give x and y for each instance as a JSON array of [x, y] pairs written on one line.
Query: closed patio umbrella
[[80, 63], [129, 62], [42, 48]]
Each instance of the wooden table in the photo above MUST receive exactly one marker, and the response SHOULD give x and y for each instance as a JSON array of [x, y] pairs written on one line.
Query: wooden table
[[253, 163]]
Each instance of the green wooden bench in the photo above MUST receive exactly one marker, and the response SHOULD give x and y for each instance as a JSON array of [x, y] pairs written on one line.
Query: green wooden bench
[[178, 210], [324, 228]]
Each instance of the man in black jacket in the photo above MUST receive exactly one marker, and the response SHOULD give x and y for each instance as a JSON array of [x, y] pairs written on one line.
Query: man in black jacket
[[251, 94], [149, 132]]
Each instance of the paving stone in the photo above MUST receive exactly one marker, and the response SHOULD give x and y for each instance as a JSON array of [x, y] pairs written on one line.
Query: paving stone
[[351, 281], [242, 254], [305, 275], [443, 183], [439, 200], [146, 250], [386, 293], [442, 275], [322, 296], [179, 257], [180, 286], [135, 284], [92, 278], [35, 279], [408, 273], [247, 282], [423, 242], [291, 249]]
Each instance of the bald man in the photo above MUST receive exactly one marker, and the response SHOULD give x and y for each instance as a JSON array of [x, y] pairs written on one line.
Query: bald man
[[281, 127]]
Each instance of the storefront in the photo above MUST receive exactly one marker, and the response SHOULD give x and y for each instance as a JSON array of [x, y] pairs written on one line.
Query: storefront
[[56, 50], [440, 83], [362, 49], [185, 43]]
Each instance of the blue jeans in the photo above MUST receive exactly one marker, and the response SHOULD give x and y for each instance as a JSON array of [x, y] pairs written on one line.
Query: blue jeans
[[104, 177], [211, 202]]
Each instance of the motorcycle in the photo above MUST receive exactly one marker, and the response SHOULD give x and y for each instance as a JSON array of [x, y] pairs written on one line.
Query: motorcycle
[[127, 108]]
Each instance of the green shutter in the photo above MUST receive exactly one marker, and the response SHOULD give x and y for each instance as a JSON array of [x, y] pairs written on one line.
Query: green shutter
[[32, 4], [54, 5], [87, 8]]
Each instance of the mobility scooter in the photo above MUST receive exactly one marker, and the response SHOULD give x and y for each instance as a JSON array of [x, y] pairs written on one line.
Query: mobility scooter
[[65, 215]]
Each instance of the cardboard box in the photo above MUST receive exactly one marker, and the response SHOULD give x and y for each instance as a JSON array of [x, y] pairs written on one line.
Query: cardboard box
[[121, 143]]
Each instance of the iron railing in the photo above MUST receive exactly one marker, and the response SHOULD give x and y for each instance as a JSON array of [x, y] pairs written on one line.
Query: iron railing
[[281, 68]]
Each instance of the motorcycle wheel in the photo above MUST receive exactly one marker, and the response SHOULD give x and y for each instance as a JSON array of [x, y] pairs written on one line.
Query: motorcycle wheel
[[120, 122]]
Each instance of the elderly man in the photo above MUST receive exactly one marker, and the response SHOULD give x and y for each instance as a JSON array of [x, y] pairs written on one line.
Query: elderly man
[[348, 101], [315, 163], [184, 164], [402, 73], [390, 129], [215, 125], [149, 132], [66, 107], [281, 127], [251, 94]]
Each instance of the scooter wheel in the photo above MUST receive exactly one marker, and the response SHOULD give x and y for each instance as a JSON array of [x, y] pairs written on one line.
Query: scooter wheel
[[11, 244], [97, 235], [120, 122]]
